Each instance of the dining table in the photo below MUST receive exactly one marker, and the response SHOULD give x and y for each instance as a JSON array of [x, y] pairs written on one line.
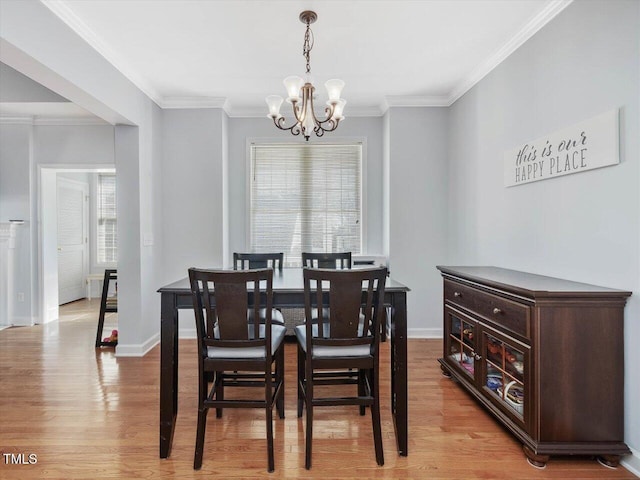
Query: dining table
[[288, 292]]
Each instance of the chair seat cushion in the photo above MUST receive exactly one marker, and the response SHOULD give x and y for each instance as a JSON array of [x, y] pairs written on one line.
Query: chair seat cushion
[[276, 315], [329, 351], [277, 336]]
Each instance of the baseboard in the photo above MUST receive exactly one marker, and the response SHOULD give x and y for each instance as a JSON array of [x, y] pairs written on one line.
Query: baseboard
[[137, 350], [632, 462], [187, 333], [23, 321], [424, 333]]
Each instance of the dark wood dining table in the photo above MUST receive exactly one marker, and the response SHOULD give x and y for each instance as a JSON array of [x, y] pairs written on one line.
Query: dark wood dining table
[[288, 292]]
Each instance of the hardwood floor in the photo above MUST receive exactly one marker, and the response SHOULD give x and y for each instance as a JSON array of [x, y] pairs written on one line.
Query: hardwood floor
[[86, 414]]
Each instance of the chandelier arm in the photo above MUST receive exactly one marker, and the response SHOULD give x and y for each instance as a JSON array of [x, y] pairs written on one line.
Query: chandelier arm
[[329, 115], [297, 116], [279, 121], [332, 125]]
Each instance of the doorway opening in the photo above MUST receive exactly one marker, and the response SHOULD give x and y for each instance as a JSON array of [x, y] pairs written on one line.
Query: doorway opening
[[77, 226]]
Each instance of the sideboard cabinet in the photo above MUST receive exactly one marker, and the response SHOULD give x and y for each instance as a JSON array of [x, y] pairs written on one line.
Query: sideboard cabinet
[[545, 356]]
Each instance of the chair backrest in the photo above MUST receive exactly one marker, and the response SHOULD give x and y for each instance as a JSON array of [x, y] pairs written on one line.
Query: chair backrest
[[246, 261], [350, 305], [221, 300], [326, 260]]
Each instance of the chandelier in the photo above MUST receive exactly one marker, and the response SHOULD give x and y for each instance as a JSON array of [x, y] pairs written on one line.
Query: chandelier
[[300, 96]]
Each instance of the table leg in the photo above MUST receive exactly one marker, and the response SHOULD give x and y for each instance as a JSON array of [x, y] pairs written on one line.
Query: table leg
[[168, 371], [399, 388]]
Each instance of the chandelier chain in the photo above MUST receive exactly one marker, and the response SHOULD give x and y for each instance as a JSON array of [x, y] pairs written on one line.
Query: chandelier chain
[[308, 45]]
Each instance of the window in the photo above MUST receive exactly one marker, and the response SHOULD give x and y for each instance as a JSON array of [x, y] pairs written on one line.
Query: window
[[305, 198], [107, 232]]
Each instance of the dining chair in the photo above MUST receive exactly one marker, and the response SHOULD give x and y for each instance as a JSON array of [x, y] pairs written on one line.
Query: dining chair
[[107, 304], [326, 260], [246, 261], [341, 347], [340, 260], [233, 352]]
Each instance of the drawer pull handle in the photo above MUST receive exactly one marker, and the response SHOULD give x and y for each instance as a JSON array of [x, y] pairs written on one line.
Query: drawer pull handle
[[496, 310], [457, 294]]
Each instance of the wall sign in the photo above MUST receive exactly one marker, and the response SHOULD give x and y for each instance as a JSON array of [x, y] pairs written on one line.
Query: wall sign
[[584, 146]]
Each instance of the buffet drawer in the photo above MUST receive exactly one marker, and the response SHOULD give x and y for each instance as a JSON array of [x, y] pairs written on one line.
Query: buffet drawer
[[507, 313]]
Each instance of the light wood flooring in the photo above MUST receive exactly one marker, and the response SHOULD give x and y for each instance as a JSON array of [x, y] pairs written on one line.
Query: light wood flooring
[[86, 414]]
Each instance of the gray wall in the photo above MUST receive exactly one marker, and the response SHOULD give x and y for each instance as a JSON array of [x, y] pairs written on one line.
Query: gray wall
[[16, 159], [74, 145], [193, 190], [17, 87], [417, 210], [582, 227]]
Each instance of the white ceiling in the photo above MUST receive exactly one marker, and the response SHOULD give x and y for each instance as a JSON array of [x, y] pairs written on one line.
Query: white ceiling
[[233, 53]]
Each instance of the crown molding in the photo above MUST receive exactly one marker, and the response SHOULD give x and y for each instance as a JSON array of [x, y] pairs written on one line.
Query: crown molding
[[62, 11], [193, 102], [553, 8]]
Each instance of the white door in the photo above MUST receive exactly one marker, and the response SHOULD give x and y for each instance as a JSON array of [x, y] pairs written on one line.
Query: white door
[[73, 251]]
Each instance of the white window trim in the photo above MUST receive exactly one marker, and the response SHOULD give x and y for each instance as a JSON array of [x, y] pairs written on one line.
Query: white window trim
[[294, 140]]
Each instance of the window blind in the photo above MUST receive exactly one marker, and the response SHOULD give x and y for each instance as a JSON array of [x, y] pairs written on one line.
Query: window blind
[[305, 198], [107, 231]]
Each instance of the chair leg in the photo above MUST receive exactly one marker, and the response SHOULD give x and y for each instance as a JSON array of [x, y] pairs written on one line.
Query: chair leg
[[280, 381], [219, 386], [308, 395], [100, 326], [361, 388], [301, 370], [308, 436], [269, 415], [375, 418], [202, 424]]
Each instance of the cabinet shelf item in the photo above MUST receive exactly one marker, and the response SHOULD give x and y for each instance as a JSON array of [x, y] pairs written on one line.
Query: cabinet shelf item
[[525, 360]]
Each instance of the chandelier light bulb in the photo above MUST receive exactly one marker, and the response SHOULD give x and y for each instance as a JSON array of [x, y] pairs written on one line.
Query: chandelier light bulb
[[293, 84], [274, 102], [334, 89], [338, 109]]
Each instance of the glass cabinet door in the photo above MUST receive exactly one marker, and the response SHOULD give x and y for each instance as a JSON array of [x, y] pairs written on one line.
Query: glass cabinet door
[[461, 342], [505, 373]]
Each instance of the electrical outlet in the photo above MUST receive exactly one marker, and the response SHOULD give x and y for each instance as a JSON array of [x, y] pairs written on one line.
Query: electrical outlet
[[20, 296]]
